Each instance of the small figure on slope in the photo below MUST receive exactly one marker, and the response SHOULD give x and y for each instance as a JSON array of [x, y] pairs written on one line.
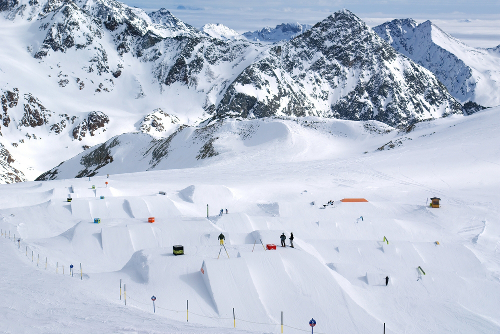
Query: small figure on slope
[[221, 212], [221, 238], [386, 280], [283, 238], [291, 239], [226, 211]]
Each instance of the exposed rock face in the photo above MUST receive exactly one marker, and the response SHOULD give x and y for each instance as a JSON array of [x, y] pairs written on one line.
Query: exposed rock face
[[469, 74], [339, 68], [9, 99], [472, 107], [8, 174], [157, 122], [35, 114], [95, 120]]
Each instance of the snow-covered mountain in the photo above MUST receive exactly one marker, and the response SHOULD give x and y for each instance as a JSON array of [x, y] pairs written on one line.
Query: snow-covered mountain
[[339, 68], [217, 30], [284, 31], [78, 73], [470, 74]]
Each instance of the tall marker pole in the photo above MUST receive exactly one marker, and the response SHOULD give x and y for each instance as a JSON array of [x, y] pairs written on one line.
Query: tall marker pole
[[281, 321], [187, 310], [81, 272], [125, 293], [234, 319], [120, 289], [207, 210], [153, 299]]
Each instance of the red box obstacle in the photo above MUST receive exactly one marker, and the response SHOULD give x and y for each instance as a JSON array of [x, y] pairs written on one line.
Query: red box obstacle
[[151, 219], [270, 246]]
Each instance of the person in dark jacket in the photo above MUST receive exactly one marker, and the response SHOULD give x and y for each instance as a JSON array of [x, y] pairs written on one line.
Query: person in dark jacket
[[221, 238], [283, 238], [386, 280], [291, 239]]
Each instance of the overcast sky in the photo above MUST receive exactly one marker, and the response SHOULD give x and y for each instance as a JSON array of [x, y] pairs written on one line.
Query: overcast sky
[[476, 22]]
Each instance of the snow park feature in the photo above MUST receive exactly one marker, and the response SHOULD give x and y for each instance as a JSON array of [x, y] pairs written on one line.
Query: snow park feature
[[250, 130], [151, 219], [178, 250]]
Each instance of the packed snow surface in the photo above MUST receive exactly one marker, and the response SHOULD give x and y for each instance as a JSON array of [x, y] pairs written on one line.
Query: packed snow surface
[[336, 272]]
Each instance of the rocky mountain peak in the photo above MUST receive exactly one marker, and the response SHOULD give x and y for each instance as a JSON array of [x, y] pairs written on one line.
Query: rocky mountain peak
[[217, 30], [284, 31], [468, 73], [170, 24]]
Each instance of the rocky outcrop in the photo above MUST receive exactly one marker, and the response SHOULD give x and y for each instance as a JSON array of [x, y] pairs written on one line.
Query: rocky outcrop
[[158, 122], [9, 174], [9, 100], [94, 122], [35, 114]]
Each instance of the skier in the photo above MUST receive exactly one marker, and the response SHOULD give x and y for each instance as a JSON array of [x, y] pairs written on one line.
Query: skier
[[221, 238], [291, 239], [226, 211], [386, 280], [221, 212], [283, 238]]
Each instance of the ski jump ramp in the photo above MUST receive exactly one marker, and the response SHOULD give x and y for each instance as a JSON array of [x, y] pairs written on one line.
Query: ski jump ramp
[[231, 286]]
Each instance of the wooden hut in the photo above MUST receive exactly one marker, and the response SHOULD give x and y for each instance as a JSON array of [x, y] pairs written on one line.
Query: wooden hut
[[435, 202]]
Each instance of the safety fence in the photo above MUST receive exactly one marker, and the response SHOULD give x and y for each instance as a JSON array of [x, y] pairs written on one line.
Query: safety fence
[[41, 262], [234, 319], [126, 296]]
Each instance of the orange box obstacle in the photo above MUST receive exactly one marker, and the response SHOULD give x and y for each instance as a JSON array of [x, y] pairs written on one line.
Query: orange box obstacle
[[270, 246], [151, 219], [353, 200]]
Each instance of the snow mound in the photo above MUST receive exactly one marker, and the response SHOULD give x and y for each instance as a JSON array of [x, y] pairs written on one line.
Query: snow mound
[[187, 194], [137, 268]]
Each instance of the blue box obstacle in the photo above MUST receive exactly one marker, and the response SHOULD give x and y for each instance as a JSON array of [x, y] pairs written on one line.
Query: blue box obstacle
[[102, 197], [97, 220]]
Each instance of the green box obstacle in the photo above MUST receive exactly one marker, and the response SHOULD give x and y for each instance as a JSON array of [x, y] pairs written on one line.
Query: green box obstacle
[[178, 250]]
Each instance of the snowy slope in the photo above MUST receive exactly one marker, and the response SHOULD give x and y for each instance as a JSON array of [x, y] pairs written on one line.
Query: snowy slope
[[281, 181], [282, 32], [470, 74]]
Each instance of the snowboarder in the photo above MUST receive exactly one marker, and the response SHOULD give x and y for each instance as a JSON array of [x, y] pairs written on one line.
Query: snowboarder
[[283, 238], [221, 238], [291, 239], [386, 280]]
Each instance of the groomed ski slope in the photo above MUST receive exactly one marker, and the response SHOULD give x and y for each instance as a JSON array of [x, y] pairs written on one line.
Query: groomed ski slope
[[336, 273]]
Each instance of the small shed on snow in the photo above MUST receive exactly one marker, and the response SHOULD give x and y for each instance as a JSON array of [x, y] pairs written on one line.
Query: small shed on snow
[[435, 202]]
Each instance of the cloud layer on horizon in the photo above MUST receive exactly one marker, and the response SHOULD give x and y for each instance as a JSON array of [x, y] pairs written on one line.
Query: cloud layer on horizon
[[470, 22]]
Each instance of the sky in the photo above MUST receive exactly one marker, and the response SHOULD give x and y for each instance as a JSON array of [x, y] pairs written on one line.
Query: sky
[[476, 22]]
